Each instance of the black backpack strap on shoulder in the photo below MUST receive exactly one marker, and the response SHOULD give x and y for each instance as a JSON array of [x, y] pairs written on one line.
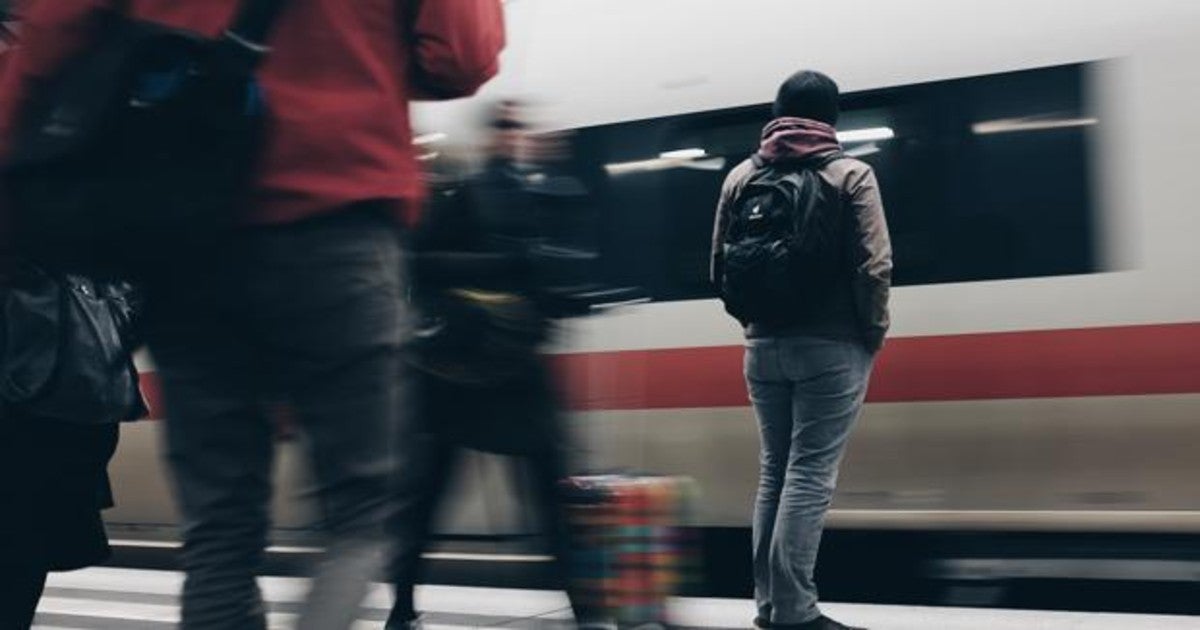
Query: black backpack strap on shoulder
[[250, 26], [253, 23]]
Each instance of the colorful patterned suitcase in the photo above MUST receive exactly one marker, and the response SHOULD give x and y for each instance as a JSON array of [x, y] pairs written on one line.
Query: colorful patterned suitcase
[[633, 549]]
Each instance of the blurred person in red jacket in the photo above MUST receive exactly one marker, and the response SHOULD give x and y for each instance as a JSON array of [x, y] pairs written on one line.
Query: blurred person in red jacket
[[304, 304]]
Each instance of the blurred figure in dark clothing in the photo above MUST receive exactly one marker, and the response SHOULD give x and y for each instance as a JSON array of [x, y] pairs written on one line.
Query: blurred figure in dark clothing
[[480, 381], [53, 473], [53, 477], [53, 490]]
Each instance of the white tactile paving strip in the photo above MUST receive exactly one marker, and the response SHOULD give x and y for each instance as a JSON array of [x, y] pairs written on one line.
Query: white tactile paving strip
[[126, 599]]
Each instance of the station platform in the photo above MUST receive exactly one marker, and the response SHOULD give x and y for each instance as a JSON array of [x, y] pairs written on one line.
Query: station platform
[[130, 599]]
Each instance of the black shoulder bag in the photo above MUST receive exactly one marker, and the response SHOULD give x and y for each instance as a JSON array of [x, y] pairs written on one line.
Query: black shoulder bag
[[66, 350], [139, 151]]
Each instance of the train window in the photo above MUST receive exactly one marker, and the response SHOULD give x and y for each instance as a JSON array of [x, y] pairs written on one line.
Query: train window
[[983, 178]]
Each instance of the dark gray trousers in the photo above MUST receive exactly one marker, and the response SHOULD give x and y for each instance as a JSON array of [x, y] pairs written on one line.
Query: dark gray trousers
[[308, 315]]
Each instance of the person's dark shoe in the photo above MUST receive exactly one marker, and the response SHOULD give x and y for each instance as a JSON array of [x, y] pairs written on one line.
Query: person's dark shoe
[[820, 623], [412, 624], [596, 624], [762, 623]]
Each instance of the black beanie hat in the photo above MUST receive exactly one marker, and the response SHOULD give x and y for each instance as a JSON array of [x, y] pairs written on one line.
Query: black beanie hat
[[808, 94]]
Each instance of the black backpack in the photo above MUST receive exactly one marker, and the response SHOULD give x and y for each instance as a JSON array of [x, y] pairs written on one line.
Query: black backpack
[[138, 151], [782, 243]]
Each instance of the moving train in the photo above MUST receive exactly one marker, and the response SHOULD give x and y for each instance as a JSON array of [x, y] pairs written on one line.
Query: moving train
[[1037, 161]]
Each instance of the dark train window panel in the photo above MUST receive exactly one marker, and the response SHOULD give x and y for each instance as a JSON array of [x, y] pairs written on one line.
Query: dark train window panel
[[983, 178]]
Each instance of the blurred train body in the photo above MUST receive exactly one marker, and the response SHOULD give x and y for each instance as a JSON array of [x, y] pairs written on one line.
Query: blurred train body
[[1038, 161]]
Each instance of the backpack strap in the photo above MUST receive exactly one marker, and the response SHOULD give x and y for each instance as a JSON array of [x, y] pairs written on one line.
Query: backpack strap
[[254, 22], [251, 24], [243, 43], [247, 33]]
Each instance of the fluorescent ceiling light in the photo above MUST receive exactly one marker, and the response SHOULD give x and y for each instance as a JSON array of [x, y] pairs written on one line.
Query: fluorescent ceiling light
[[678, 158], [429, 138], [872, 134], [684, 154], [714, 164], [1010, 125], [640, 166], [663, 164]]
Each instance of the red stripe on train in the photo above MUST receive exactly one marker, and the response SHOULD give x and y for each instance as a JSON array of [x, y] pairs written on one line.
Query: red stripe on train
[[1114, 361]]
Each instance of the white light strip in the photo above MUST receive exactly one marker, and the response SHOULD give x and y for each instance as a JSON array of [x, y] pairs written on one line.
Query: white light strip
[[684, 154], [118, 611], [486, 557], [285, 550], [429, 138], [642, 166], [1132, 570], [611, 306], [1011, 125], [144, 544], [872, 134], [678, 158]]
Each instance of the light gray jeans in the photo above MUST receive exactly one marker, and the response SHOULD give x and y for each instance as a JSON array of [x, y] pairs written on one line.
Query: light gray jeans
[[807, 394]]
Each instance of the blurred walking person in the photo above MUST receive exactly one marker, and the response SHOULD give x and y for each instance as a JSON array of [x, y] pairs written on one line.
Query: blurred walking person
[[479, 379], [802, 258], [303, 302]]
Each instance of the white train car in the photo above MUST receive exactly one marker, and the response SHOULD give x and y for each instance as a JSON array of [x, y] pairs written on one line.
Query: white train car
[[1037, 160]]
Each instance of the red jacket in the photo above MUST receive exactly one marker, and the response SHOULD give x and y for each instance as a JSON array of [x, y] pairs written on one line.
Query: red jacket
[[338, 85]]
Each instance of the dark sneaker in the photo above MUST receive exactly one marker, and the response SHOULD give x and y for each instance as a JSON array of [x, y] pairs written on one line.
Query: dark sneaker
[[597, 624], [820, 623], [825, 623], [761, 623], [412, 624]]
